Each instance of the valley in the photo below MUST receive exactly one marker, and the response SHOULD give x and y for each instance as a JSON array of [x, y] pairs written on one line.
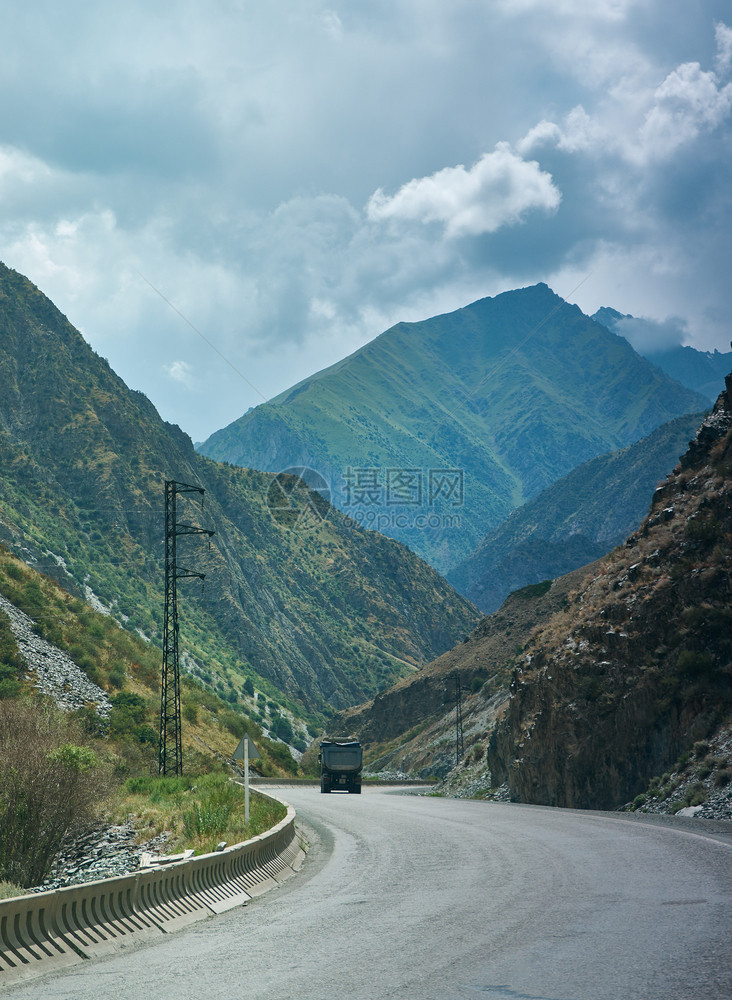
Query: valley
[[550, 429]]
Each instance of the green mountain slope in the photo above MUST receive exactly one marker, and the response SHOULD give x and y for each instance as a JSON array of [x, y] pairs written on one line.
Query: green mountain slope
[[575, 520], [435, 431], [326, 615]]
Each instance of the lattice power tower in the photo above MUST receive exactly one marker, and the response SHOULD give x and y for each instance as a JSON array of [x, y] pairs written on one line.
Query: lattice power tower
[[170, 759]]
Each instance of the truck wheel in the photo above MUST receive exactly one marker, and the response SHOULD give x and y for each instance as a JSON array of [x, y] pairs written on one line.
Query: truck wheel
[[324, 788]]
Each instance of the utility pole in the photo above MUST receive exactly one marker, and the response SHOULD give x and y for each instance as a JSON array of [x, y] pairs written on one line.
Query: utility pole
[[170, 754], [459, 744]]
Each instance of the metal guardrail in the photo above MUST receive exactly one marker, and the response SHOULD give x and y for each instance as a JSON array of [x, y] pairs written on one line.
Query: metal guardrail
[[51, 930]]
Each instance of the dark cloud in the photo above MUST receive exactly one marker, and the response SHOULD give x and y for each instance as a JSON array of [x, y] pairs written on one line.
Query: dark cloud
[[297, 177]]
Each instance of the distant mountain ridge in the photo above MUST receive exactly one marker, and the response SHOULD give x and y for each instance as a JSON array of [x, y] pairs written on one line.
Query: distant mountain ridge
[[575, 520], [435, 431], [701, 371]]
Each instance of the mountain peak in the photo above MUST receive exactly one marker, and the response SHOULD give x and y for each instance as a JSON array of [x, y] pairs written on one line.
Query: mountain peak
[[508, 394]]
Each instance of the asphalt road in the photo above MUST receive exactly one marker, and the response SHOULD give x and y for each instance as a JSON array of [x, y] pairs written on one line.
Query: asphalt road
[[419, 898]]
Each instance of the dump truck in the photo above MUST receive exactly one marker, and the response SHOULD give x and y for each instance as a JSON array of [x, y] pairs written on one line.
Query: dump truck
[[340, 766]]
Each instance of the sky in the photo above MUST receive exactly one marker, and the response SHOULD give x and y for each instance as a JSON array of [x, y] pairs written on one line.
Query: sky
[[226, 197]]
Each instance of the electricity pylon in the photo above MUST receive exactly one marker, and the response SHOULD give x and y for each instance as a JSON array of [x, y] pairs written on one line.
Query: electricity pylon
[[170, 754], [459, 744]]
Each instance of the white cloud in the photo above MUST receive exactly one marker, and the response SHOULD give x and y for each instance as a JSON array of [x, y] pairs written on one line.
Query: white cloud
[[723, 36], [332, 25], [687, 102], [180, 371], [650, 336], [497, 191], [640, 124], [602, 10], [580, 132], [17, 167]]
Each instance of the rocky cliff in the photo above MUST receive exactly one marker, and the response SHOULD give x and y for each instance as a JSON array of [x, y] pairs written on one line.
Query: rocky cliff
[[410, 728], [637, 667]]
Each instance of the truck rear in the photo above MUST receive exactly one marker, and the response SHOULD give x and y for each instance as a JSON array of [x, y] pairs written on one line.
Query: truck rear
[[340, 766]]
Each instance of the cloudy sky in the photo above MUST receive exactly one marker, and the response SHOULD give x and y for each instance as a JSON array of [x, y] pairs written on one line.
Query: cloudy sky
[[225, 197]]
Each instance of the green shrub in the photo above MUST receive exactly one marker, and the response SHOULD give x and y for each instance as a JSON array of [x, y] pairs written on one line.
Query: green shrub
[[50, 785], [280, 754], [282, 728], [117, 677], [10, 686], [146, 734], [704, 529], [190, 712], [11, 662], [8, 890], [236, 724], [128, 712], [697, 794], [706, 767], [694, 663], [91, 723], [723, 777], [534, 590]]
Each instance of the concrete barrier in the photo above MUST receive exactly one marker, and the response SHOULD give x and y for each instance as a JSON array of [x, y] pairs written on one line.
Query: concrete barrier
[[50, 930]]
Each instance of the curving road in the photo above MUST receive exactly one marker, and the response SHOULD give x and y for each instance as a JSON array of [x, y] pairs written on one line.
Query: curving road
[[418, 898]]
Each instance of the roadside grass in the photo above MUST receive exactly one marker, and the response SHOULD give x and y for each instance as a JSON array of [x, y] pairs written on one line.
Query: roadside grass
[[9, 889], [197, 811]]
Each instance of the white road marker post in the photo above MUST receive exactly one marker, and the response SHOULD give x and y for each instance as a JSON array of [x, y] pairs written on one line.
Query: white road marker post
[[246, 781], [244, 751]]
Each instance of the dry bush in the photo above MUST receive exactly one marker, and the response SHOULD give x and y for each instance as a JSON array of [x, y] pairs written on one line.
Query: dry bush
[[51, 782]]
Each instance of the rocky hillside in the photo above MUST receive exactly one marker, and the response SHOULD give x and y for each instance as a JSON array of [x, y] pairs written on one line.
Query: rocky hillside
[[55, 648], [579, 518], [323, 612], [638, 667], [435, 431], [410, 728], [610, 686]]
